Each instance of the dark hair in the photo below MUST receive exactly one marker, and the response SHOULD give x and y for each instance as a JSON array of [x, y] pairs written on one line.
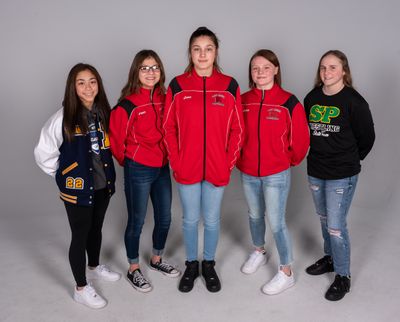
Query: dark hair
[[133, 84], [347, 79], [272, 58], [74, 114], [200, 32]]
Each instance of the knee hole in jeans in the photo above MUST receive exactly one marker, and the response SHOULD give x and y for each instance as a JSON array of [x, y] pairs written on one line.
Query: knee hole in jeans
[[314, 187], [340, 191], [335, 232]]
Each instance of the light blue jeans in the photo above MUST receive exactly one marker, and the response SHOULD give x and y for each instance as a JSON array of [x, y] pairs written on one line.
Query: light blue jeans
[[269, 193], [196, 199], [332, 199]]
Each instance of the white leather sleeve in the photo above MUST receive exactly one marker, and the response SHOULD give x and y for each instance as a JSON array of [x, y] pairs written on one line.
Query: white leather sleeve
[[47, 150]]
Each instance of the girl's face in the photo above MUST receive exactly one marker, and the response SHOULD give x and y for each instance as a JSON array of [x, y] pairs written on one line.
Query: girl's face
[[203, 53], [331, 72], [86, 88], [263, 72], [149, 73]]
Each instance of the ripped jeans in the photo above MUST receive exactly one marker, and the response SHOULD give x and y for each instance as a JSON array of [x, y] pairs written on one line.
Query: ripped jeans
[[332, 199]]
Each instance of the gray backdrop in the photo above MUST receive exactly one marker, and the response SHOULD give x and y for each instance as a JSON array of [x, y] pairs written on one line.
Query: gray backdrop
[[41, 40]]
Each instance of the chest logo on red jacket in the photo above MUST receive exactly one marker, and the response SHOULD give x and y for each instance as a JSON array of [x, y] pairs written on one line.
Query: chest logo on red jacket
[[218, 100], [273, 114]]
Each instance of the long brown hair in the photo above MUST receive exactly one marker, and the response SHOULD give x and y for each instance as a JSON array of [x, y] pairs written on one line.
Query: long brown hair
[[74, 110], [347, 79], [273, 59], [199, 32], [133, 84]]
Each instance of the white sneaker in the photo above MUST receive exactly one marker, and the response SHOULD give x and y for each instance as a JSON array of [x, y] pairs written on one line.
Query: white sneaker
[[278, 284], [256, 259], [102, 272], [89, 297]]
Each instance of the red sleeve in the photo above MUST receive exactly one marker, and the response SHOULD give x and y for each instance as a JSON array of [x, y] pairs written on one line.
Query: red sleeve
[[236, 131], [171, 130], [300, 135], [118, 129]]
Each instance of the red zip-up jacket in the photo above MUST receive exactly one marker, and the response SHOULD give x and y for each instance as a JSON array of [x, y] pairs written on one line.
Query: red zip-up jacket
[[276, 135], [203, 127], [136, 129]]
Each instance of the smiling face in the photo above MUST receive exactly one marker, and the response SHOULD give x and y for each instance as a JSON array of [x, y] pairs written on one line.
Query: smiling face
[[263, 72], [203, 54], [86, 87], [331, 73], [149, 77]]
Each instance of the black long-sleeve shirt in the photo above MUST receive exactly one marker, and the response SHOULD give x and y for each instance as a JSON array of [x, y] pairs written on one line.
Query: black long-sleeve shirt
[[342, 133]]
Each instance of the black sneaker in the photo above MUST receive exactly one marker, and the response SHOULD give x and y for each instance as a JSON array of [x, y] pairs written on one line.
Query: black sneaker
[[338, 289], [138, 281], [191, 273], [321, 266], [165, 268], [210, 275]]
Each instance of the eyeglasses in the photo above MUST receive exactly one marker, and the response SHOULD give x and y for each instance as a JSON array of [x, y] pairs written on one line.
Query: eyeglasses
[[147, 69]]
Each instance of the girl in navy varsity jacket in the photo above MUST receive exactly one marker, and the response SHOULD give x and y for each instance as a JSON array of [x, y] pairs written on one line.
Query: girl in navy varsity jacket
[[276, 138], [137, 144], [74, 148], [342, 134]]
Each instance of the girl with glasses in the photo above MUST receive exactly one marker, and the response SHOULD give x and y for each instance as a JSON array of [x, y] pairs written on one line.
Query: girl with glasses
[[137, 144], [203, 127], [276, 138], [74, 148]]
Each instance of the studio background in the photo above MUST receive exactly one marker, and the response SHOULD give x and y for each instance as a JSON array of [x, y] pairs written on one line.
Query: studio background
[[41, 40]]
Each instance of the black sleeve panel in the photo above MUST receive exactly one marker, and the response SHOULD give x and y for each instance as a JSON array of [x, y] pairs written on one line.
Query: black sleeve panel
[[175, 87], [127, 105], [232, 88], [291, 103]]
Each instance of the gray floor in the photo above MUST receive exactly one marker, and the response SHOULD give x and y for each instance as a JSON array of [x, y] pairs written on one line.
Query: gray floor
[[37, 283]]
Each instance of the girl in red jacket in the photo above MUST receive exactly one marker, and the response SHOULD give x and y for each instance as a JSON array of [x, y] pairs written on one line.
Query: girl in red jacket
[[136, 143], [276, 138], [203, 134]]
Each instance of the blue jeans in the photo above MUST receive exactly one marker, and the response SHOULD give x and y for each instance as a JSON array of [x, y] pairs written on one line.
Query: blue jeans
[[269, 193], [332, 199], [141, 182], [202, 197]]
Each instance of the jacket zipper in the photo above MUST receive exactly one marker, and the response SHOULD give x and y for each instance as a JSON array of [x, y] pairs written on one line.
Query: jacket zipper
[[259, 134], [205, 127], [155, 112]]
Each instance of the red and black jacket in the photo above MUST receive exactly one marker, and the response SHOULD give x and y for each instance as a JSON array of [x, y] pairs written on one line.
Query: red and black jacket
[[135, 129], [276, 135], [203, 127]]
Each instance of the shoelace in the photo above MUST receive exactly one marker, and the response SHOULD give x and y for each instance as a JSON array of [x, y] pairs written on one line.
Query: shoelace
[[103, 268], [139, 278], [90, 290], [253, 256], [165, 266]]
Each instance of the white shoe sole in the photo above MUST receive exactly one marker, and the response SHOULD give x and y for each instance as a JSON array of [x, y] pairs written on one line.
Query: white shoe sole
[[77, 298], [166, 274], [253, 271], [142, 290], [275, 292]]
